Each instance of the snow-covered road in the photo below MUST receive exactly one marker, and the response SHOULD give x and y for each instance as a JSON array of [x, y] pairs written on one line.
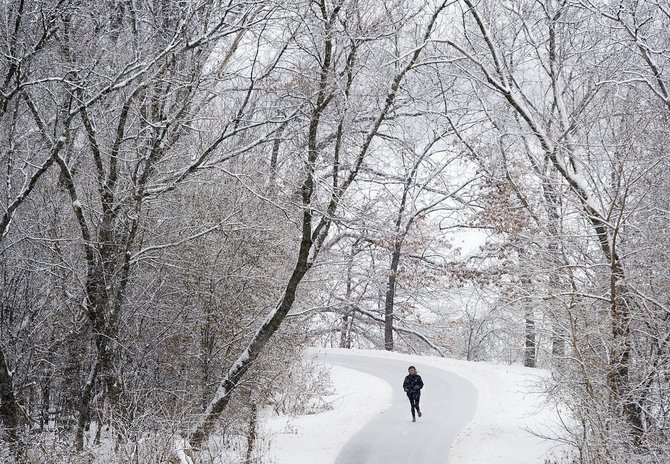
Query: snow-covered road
[[448, 404], [369, 418]]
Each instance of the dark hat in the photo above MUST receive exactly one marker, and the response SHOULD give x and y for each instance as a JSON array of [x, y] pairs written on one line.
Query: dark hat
[[411, 367]]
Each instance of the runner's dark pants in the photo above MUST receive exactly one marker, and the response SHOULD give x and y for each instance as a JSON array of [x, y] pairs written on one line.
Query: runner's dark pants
[[414, 402]]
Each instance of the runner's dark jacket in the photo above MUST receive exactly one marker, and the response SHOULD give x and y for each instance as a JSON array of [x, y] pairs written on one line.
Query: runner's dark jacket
[[413, 385]]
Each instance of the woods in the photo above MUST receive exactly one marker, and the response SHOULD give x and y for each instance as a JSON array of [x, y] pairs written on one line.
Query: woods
[[194, 192]]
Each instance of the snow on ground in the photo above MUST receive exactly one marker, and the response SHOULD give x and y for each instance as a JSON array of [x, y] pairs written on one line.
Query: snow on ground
[[317, 438], [510, 404]]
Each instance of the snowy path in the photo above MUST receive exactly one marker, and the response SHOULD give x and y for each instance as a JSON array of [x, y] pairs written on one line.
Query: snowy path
[[448, 403], [370, 420]]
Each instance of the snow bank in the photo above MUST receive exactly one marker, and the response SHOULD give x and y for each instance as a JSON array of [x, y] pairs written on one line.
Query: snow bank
[[318, 438]]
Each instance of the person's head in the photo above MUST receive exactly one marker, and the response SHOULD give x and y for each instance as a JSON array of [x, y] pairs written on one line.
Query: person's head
[[411, 370]]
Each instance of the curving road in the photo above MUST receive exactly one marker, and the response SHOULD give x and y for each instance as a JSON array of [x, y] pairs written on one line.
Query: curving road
[[448, 403]]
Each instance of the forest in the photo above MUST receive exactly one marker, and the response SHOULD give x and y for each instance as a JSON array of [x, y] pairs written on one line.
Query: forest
[[193, 191]]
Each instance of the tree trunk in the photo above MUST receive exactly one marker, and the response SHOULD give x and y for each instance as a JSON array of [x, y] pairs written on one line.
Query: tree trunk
[[271, 324], [618, 378], [83, 407], [530, 352], [389, 302], [9, 408], [552, 201], [348, 318], [345, 331], [251, 434]]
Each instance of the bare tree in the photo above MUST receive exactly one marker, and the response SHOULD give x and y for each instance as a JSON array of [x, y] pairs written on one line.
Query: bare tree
[[115, 117], [543, 74], [338, 24]]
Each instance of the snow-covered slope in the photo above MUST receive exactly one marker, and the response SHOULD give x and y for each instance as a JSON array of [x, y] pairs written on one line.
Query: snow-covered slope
[[510, 407]]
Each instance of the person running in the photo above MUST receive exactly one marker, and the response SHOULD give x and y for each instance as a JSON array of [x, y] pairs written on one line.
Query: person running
[[412, 386]]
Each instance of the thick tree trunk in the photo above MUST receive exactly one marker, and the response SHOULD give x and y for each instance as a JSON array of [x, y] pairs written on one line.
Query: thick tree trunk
[[98, 312], [618, 378], [9, 408]]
